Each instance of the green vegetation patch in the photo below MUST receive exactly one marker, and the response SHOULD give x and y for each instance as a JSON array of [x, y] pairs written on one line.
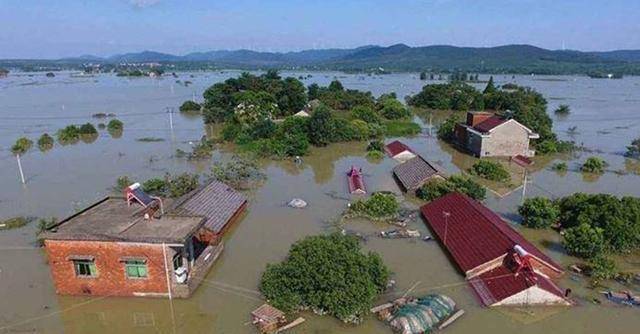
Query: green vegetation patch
[[190, 107], [455, 183], [45, 142], [594, 165], [539, 212], [15, 222], [240, 172], [490, 170], [328, 274], [378, 207], [21, 146]]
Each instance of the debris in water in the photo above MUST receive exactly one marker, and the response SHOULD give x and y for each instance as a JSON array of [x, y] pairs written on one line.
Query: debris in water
[[400, 233], [297, 203]]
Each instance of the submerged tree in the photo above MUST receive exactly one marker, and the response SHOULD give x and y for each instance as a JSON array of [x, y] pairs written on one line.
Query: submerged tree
[[45, 142], [563, 109], [327, 273], [633, 150]]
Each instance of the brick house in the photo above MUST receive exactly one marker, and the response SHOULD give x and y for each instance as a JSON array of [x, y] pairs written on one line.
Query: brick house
[[399, 151], [488, 135], [501, 266], [130, 246]]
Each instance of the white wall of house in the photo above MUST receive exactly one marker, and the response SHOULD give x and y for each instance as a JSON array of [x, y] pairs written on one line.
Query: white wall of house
[[506, 140], [532, 296], [404, 156]]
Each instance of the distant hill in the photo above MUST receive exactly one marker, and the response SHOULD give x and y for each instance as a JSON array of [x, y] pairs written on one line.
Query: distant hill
[[398, 57]]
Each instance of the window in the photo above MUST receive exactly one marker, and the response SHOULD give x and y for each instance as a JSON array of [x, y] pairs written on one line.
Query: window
[[135, 268], [85, 268]]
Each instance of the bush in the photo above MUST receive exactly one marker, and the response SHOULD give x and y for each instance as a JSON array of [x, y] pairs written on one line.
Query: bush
[[584, 241], [594, 165], [366, 114], [190, 107], [239, 173], [182, 184], [633, 150], [375, 145], [394, 109], [155, 186], [563, 109], [455, 183], [602, 268], [88, 129], [446, 130], [378, 206], [69, 134], [326, 273], [538, 212], [121, 183], [115, 125], [45, 142], [490, 170], [21, 146], [560, 167]]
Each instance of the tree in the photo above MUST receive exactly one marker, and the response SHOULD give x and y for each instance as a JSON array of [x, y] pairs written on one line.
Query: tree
[[88, 129], [594, 165], [292, 98], [633, 151], [335, 86], [584, 241], [239, 172], [378, 206], [423, 75], [490, 88], [190, 107], [446, 130], [182, 184], [366, 114], [394, 109], [538, 212], [329, 273], [321, 126], [563, 109], [115, 125], [69, 134], [602, 268], [45, 142], [156, 186], [313, 91]]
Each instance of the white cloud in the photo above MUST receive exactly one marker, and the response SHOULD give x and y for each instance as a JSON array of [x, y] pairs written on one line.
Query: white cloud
[[143, 3]]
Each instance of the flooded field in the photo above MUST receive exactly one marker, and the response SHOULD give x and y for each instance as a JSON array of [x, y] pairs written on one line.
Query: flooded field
[[605, 112]]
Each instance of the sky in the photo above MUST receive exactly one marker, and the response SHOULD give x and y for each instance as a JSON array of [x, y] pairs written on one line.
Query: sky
[[61, 28]]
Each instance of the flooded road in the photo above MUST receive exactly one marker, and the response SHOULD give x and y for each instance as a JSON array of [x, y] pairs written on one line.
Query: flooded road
[[59, 181]]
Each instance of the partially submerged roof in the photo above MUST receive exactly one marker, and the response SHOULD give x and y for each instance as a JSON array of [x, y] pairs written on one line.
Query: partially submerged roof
[[415, 172], [475, 235], [396, 147], [215, 201], [111, 219], [267, 313]]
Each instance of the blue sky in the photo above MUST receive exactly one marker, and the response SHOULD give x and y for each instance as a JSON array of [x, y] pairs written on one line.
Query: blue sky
[[51, 29]]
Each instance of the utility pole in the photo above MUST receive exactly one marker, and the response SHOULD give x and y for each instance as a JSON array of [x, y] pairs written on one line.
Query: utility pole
[[524, 185], [170, 111], [20, 168]]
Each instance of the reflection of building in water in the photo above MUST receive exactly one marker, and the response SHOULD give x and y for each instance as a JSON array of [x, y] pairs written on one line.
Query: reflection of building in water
[[132, 246]]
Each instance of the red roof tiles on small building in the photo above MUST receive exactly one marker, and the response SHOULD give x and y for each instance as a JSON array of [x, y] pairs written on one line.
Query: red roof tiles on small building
[[396, 147]]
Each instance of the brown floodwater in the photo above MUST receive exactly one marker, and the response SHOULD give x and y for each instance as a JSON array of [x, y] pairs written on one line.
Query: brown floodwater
[[68, 177]]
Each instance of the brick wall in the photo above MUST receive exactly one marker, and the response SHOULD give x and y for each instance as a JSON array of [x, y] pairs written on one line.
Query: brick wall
[[508, 140], [111, 279]]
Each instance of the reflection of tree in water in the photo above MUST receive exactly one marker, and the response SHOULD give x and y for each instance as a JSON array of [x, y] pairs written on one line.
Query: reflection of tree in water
[[321, 159], [590, 177], [88, 139], [632, 166]]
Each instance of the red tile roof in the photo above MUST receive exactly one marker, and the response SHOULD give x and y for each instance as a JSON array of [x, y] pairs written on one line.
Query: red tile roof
[[396, 147], [489, 124], [475, 235], [356, 183], [500, 283]]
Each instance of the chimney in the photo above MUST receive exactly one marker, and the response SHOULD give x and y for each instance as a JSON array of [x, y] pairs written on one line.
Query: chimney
[[474, 118]]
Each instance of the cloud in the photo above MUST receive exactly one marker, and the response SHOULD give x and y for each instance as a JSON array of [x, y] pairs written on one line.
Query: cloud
[[143, 3]]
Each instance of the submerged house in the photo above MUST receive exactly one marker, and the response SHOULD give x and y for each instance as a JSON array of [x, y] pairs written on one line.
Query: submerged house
[[415, 172], [501, 266], [136, 245], [488, 135], [399, 151]]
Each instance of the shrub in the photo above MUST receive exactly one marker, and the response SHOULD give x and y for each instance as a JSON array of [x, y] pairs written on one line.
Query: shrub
[[378, 206], [563, 109], [366, 114], [88, 129], [455, 183], [538, 212], [633, 150], [115, 125], [239, 172], [45, 142], [375, 145], [490, 170], [329, 274], [446, 130], [155, 186], [69, 134], [182, 184], [594, 165], [560, 167], [121, 183], [21, 146], [602, 268], [190, 107], [584, 241]]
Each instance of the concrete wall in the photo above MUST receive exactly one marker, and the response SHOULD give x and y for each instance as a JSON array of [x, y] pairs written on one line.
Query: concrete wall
[[111, 279], [506, 140], [532, 296]]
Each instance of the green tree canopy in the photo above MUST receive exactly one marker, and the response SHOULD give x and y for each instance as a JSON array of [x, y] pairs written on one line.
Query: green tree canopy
[[584, 241], [455, 183], [21, 146], [321, 126], [328, 273], [538, 212]]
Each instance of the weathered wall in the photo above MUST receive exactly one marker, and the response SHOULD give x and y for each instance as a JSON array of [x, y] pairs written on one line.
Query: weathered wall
[[506, 140], [532, 296], [111, 278]]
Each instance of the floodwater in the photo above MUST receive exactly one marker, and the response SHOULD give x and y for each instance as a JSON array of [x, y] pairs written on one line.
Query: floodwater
[[69, 177]]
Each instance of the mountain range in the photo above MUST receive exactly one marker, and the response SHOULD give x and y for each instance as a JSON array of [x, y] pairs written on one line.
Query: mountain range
[[520, 58]]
